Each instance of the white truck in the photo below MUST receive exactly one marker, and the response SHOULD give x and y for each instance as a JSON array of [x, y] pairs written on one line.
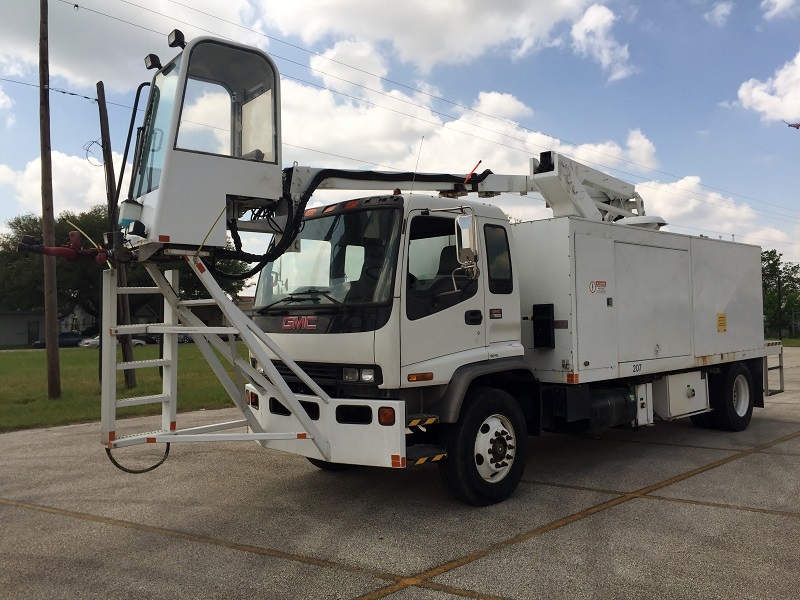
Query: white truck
[[402, 328]]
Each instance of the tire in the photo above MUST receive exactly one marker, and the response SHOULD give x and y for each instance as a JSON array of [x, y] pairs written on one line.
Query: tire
[[732, 398], [704, 420], [329, 466], [486, 449]]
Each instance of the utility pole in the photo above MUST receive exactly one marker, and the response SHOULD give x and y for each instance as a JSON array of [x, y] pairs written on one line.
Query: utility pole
[[48, 219], [780, 317]]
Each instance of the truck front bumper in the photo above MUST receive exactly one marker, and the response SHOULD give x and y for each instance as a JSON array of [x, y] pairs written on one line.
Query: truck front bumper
[[360, 432]]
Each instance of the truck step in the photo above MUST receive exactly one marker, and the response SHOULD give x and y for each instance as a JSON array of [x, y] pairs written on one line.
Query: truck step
[[421, 419], [154, 399], [421, 454]]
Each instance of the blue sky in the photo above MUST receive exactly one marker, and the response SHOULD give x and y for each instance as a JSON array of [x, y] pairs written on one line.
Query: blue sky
[[684, 98]]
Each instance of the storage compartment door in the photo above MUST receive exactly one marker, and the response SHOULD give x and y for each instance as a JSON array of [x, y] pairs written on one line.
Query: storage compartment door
[[654, 302], [596, 323]]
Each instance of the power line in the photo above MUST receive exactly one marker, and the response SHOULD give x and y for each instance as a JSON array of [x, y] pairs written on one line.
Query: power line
[[429, 109], [428, 94], [734, 204], [65, 92]]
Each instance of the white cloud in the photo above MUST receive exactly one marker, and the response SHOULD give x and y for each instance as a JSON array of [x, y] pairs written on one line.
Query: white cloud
[[428, 33], [686, 204], [5, 100], [776, 98], [778, 8], [381, 139], [641, 150], [591, 37], [78, 185], [502, 106], [6, 104], [86, 47], [719, 13], [350, 65]]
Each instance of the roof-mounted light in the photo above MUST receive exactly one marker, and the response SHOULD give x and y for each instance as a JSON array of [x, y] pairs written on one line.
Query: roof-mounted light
[[176, 39], [151, 61]]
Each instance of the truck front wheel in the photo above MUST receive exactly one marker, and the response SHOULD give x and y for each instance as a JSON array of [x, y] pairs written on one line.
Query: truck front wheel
[[486, 449], [732, 398]]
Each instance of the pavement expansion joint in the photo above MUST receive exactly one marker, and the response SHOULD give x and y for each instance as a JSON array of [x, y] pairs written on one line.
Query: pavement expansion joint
[[202, 539], [568, 486], [754, 509], [399, 582], [523, 537], [673, 444]]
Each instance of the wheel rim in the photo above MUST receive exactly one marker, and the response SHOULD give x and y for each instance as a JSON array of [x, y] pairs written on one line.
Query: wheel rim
[[741, 395], [495, 447]]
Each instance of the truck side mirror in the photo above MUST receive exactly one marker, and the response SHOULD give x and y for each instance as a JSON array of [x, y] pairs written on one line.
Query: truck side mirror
[[466, 240]]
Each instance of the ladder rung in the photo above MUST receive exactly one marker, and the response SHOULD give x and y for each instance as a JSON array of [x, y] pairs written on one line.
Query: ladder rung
[[134, 438], [215, 427], [155, 399], [129, 329], [138, 290], [141, 364], [164, 328], [200, 302], [177, 436], [190, 329]]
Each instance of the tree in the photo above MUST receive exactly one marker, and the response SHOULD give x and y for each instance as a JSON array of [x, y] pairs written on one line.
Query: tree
[[79, 281], [781, 291]]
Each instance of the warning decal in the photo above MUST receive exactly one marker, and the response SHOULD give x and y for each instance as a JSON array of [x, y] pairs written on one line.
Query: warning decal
[[597, 287], [722, 322]]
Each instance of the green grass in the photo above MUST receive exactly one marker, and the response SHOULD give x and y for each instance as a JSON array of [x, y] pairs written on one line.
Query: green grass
[[23, 386], [791, 342]]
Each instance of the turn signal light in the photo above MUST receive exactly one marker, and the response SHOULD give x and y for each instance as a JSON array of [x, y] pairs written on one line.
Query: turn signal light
[[420, 377], [386, 415]]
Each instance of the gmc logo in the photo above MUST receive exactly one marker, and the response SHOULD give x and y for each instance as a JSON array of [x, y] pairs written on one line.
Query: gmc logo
[[299, 322]]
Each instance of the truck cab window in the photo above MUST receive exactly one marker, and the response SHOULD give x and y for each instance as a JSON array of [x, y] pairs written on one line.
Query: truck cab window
[[229, 105], [498, 260], [433, 266]]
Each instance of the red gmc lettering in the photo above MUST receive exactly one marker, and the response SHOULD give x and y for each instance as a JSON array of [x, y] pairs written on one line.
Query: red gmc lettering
[[299, 322]]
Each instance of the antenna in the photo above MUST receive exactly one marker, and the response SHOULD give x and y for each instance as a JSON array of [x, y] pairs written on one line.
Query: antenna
[[471, 173], [416, 166]]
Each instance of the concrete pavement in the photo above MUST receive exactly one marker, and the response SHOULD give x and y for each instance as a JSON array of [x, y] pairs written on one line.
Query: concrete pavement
[[671, 511]]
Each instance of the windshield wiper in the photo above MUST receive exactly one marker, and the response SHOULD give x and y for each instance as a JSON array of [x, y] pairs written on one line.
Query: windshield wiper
[[311, 293]]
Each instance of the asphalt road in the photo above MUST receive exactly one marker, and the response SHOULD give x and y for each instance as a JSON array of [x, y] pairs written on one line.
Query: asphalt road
[[670, 511]]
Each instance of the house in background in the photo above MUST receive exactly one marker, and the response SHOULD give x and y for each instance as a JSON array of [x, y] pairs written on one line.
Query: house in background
[[18, 328], [22, 328], [78, 320]]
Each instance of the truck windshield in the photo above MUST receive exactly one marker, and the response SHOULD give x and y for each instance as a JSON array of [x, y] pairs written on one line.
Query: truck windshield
[[345, 259]]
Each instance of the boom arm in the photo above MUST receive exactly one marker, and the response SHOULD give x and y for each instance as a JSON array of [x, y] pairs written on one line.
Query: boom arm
[[568, 187]]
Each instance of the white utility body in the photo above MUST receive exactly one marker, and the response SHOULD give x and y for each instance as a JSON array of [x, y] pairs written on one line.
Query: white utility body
[[404, 328]]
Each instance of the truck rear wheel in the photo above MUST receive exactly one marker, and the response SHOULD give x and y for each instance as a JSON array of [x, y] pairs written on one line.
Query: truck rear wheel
[[732, 398], [486, 449]]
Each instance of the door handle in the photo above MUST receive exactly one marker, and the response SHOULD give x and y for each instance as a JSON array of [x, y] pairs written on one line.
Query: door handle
[[473, 317]]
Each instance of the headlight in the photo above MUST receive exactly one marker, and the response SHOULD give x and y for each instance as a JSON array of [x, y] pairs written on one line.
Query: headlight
[[356, 375], [350, 374]]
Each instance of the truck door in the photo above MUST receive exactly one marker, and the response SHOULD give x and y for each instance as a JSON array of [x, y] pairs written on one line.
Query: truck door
[[443, 310], [502, 303]]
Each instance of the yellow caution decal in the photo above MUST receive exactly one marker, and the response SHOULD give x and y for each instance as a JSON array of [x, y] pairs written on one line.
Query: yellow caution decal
[[426, 459]]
